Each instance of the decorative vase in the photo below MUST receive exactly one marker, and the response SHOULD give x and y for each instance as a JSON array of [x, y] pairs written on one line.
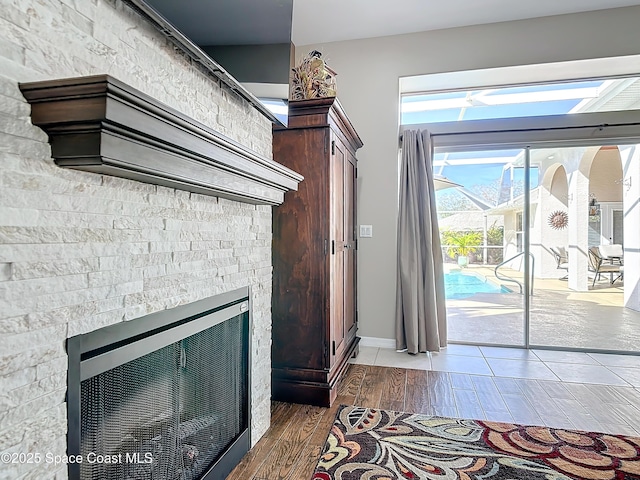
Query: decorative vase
[[463, 261]]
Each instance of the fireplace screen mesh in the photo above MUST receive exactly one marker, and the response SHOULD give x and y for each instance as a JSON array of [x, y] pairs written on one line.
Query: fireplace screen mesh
[[168, 414]]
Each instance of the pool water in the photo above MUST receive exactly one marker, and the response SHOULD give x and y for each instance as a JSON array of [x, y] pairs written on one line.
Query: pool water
[[462, 285]]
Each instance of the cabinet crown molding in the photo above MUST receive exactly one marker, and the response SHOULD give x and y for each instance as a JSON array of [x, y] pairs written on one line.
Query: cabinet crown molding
[[323, 112]]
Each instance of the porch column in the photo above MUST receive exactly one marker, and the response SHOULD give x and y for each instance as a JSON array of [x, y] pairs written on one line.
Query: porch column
[[630, 156], [578, 231]]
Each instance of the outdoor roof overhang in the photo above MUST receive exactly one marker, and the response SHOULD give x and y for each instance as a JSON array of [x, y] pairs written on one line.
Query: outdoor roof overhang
[[516, 204]]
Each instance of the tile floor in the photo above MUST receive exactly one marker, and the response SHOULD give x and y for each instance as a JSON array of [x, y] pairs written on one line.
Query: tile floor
[[564, 366]]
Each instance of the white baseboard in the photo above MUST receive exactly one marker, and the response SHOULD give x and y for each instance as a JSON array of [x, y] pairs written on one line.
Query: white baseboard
[[377, 342]]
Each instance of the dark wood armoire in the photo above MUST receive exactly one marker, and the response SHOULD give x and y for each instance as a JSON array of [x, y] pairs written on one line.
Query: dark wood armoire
[[314, 254]]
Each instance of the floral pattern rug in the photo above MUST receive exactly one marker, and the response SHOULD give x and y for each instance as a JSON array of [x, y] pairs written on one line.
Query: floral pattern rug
[[373, 444]]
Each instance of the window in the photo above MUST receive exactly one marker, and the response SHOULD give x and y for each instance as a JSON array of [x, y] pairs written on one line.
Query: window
[[519, 232], [529, 100]]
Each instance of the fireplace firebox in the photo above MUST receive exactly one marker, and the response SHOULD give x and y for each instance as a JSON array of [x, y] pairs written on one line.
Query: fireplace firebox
[[162, 397]]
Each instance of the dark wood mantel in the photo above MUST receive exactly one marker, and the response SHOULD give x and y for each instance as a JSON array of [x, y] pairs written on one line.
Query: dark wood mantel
[[99, 124]]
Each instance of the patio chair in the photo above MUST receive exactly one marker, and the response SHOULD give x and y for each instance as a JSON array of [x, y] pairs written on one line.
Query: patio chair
[[562, 259], [612, 253], [599, 266]]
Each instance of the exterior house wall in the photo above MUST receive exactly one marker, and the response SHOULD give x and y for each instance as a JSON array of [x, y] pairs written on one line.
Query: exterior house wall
[[605, 175], [549, 236], [554, 197], [510, 245], [79, 251], [598, 172]]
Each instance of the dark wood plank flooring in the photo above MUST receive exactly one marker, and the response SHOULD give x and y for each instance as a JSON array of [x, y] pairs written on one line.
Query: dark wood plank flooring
[[291, 447]]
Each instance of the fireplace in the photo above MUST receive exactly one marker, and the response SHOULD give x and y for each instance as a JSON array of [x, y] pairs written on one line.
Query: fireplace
[[163, 396], [140, 190]]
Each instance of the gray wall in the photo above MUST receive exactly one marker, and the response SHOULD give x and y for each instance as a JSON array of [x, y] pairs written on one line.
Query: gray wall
[[255, 63], [368, 78]]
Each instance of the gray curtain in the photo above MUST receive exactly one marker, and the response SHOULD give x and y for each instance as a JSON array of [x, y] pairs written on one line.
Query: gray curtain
[[421, 322]]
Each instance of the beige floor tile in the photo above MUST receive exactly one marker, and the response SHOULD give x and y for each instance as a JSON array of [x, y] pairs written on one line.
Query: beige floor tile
[[573, 372]]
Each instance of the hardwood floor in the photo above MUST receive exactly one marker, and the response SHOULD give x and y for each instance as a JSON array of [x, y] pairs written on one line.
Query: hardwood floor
[[291, 447]]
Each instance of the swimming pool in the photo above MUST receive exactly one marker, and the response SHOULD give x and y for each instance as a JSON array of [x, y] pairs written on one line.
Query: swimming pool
[[462, 285]]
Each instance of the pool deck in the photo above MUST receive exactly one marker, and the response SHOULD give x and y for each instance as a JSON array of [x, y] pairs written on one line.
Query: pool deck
[[560, 317]]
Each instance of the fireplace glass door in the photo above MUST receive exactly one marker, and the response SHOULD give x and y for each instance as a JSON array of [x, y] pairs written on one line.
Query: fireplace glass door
[[170, 413]]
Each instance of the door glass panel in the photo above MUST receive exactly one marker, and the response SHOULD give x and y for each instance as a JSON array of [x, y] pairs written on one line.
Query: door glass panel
[[594, 237], [578, 294], [479, 201], [618, 227]]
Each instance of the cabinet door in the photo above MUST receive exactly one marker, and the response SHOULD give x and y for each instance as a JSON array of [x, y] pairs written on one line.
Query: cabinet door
[[350, 247], [336, 322], [343, 271]]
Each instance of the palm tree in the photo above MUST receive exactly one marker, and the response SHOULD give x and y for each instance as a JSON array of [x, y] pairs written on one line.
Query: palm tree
[[460, 244]]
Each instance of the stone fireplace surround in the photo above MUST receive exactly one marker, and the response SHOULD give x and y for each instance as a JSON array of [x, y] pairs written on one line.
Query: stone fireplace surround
[[81, 250]]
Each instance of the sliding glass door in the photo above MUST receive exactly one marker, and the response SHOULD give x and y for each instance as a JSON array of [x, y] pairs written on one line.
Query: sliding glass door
[[538, 211], [547, 221], [576, 236], [480, 215]]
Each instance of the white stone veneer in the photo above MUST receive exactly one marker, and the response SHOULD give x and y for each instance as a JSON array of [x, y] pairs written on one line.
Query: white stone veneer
[[80, 251]]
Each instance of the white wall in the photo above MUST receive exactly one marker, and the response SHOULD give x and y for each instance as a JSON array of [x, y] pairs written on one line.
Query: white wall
[[368, 73]]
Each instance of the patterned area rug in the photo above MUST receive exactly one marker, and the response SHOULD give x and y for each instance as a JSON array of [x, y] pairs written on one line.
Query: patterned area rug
[[374, 444]]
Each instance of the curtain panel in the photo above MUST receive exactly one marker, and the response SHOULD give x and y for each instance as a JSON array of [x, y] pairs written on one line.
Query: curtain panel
[[421, 322]]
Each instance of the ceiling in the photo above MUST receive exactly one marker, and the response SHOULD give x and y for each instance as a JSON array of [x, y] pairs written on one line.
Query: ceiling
[[352, 19], [253, 22]]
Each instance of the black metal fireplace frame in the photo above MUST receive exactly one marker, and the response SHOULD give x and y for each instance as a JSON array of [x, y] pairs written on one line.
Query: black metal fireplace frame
[[101, 350]]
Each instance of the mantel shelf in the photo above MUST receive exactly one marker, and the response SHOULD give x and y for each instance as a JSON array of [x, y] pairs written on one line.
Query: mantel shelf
[[99, 124]]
